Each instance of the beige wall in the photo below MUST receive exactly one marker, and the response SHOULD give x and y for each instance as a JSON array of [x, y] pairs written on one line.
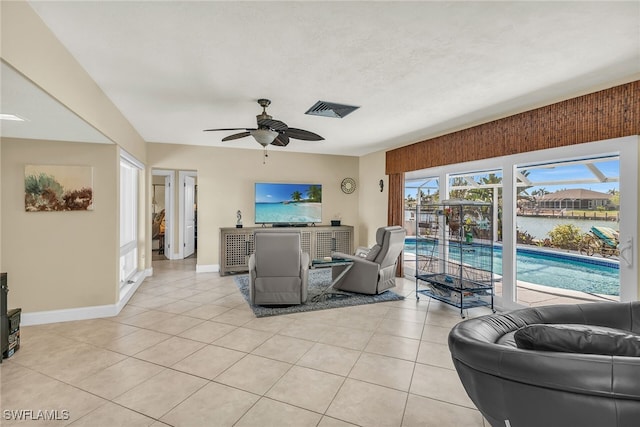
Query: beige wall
[[60, 260], [30, 47], [373, 203], [226, 179]]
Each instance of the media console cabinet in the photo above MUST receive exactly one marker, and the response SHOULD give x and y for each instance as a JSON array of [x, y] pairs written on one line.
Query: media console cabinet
[[236, 244]]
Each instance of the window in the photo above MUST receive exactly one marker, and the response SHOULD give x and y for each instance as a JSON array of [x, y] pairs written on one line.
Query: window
[[586, 185], [129, 172], [418, 193], [564, 212]]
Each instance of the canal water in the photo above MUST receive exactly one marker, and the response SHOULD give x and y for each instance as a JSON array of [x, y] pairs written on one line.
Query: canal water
[[536, 226]]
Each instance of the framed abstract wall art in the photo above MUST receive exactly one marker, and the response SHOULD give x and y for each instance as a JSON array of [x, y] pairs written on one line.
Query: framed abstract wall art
[[58, 188]]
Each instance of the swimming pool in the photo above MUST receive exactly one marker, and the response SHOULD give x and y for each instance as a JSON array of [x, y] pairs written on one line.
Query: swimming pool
[[555, 269]]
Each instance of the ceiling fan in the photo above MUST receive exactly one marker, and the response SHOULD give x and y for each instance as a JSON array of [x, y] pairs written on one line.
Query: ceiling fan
[[270, 131]]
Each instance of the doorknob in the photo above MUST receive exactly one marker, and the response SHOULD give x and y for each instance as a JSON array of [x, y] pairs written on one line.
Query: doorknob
[[626, 251]]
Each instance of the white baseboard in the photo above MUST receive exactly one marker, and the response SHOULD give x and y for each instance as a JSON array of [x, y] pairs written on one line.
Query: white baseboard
[[127, 291], [85, 313], [68, 314], [207, 268]]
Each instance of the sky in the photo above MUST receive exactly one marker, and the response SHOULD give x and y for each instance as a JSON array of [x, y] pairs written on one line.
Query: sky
[[565, 173], [610, 169]]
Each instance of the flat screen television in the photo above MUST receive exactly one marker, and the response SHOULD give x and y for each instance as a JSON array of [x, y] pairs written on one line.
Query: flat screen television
[[285, 203]]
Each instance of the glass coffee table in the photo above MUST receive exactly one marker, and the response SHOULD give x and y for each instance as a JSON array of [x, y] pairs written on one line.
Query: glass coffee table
[[329, 292]]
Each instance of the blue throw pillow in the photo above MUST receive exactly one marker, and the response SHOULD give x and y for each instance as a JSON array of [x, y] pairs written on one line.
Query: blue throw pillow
[[576, 338]]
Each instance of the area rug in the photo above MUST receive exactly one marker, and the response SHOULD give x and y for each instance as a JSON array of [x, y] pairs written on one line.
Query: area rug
[[319, 280]]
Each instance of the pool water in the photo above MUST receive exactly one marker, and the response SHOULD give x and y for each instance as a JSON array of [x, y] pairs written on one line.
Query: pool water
[[558, 270]]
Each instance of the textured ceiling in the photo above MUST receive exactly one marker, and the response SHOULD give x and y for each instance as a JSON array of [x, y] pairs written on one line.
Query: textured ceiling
[[416, 69]]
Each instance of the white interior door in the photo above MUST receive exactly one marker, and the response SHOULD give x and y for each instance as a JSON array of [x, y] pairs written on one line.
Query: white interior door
[[168, 219], [189, 216]]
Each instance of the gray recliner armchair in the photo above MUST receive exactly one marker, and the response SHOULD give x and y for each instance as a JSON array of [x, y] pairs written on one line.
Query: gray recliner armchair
[[278, 269], [374, 270]]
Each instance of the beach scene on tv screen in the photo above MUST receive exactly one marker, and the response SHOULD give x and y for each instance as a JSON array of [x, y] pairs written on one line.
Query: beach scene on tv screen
[[288, 203]]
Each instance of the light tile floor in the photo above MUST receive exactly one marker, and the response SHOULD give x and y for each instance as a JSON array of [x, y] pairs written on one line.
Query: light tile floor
[[188, 351]]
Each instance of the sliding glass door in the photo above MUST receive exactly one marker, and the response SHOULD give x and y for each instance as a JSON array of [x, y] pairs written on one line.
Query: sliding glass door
[[567, 225], [554, 210], [483, 186]]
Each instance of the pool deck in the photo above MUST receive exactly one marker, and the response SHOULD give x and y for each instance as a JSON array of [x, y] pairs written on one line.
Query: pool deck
[[531, 294]]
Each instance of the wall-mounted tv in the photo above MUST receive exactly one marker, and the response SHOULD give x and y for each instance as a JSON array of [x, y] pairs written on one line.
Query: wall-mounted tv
[[284, 203]]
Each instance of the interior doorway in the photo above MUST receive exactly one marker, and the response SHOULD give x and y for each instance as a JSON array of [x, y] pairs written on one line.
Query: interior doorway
[[162, 214], [174, 214], [188, 210]]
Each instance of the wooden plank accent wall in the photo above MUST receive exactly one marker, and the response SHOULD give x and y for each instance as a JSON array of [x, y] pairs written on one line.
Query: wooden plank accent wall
[[395, 215], [610, 113]]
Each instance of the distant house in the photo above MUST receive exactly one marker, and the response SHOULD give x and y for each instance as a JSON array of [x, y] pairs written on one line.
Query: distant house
[[574, 199]]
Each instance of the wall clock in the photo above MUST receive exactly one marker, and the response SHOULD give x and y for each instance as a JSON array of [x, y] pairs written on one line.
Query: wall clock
[[348, 185]]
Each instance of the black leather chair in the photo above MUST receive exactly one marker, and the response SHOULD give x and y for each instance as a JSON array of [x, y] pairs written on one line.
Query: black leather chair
[[517, 387]]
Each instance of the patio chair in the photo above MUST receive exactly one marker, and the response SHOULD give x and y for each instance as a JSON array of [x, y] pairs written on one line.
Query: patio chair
[[608, 235], [600, 240]]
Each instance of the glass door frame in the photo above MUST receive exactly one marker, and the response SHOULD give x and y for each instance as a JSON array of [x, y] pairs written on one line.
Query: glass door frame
[[628, 150]]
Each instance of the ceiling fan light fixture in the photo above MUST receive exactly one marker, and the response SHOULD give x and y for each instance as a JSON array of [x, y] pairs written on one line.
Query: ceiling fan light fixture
[[264, 136]]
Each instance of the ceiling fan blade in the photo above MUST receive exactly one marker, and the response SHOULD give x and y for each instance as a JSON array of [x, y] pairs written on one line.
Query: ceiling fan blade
[[273, 124], [209, 130], [236, 136], [305, 135], [281, 140]]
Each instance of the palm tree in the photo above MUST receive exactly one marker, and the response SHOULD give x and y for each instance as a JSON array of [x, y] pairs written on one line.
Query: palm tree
[[522, 191], [458, 194], [615, 197], [485, 194], [314, 193], [296, 196], [429, 197], [540, 192], [410, 202]]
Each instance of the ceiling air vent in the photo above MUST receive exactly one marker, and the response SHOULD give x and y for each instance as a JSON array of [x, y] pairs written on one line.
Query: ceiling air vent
[[330, 109]]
